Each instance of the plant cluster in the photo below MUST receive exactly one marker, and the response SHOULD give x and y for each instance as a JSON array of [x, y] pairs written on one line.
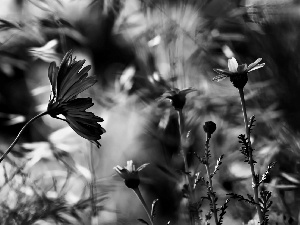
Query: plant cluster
[[200, 201]]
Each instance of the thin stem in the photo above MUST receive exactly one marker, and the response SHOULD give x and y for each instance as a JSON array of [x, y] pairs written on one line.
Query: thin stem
[[19, 134], [92, 184], [211, 189], [138, 193], [255, 185], [183, 154], [181, 129]]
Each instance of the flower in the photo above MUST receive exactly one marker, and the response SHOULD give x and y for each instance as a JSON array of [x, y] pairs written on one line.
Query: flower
[[67, 82], [177, 96], [47, 52], [130, 174], [238, 74], [209, 127]]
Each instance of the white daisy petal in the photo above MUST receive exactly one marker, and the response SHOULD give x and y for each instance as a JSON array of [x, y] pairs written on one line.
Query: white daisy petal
[[257, 67], [232, 65], [254, 63], [142, 166]]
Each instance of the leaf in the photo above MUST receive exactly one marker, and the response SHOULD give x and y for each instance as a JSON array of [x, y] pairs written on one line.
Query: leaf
[[143, 221], [219, 162], [153, 212]]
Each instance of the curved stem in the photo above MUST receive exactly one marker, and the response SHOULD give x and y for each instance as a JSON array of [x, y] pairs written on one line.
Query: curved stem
[[255, 185], [19, 134], [138, 193]]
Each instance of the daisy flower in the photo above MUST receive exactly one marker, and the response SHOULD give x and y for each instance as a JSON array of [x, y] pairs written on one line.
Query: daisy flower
[[67, 81], [238, 74], [130, 174]]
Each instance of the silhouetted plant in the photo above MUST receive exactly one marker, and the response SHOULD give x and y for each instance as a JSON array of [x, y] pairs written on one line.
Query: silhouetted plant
[[238, 75], [67, 81]]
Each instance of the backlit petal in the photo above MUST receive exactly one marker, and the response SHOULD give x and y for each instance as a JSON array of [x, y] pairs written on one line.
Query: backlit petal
[[79, 87], [70, 78], [257, 67], [254, 64], [219, 77], [52, 74], [232, 65], [223, 72]]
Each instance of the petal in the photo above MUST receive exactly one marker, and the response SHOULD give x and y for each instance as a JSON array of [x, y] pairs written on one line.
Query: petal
[[52, 74], [129, 165], [256, 67], [232, 65], [142, 166], [254, 64], [219, 77], [63, 67], [223, 72], [186, 91], [79, 104], [79, 87], [70, 78], [86, 131]]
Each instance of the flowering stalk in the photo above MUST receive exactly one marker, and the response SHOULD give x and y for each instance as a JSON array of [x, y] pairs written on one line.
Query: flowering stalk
[[132, 180], [140, 196], [19, 135], [238, 75], [178, 98], [210, 188], [254, 181]]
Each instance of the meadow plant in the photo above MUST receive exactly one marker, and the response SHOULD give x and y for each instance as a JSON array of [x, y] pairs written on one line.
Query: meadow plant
[[238, 75], [132, 180], [67, 81], [70, 79]]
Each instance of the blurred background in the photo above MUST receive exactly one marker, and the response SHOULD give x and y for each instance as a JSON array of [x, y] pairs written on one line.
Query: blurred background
[[139, 49]]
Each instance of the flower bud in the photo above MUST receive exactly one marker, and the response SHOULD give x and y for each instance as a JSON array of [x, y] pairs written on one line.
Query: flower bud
[[209, 128]]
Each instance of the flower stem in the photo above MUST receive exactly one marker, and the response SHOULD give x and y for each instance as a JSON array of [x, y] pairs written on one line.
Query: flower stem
[[255, 185], [181, 129], [211, 189], [139, 195], [183, 154], [19, 134]]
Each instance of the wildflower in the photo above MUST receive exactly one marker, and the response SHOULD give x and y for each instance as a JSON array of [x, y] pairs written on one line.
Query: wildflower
[[130, 174], [177, 96], [209, 128], [67, 82], [238, 74], [47, 52]]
